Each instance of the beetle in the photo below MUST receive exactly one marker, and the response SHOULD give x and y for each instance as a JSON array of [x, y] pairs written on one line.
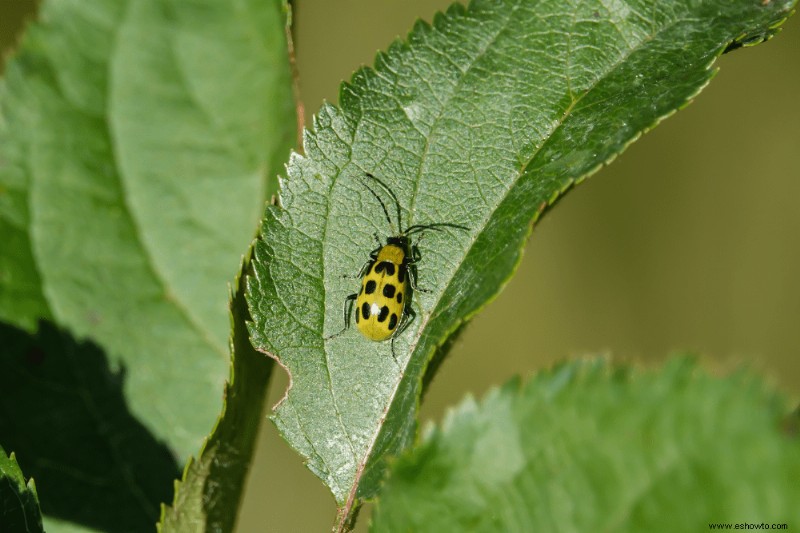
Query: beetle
[[389, 277]]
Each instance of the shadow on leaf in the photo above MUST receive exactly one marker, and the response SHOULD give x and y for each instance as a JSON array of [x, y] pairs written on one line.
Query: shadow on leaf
[[63, 412]]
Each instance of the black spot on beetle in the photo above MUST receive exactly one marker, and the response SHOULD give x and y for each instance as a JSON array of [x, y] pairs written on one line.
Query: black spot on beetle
[[399, 297], [388, 290], [370, 286], [383, 314], [385, 266], [401, 274], [392, 321], [365, 310]]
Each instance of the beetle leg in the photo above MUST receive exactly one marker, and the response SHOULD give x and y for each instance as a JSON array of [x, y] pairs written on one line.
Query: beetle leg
[[415, 253], [365, 267], [408, 317], [412, 278], [348, 310], [411, 265], [394, 356]]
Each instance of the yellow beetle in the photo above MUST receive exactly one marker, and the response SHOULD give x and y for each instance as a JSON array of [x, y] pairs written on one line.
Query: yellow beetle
[[388, 279]]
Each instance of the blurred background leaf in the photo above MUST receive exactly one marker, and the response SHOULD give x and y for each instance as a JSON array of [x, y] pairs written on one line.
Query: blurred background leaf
[[588, 446], [138, 144]]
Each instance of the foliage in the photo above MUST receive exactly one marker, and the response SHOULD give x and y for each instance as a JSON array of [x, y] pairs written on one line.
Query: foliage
[[588, 446], [19, 505], [137, 140], [483, 118], [138, 144]]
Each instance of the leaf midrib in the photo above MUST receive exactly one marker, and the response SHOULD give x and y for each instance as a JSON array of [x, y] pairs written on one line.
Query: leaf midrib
[[126, 195], [362, 461], [565, 115], [454, 90]]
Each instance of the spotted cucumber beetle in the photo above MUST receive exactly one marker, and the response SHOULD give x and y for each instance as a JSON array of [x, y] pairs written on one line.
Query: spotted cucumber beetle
[[389, 278]]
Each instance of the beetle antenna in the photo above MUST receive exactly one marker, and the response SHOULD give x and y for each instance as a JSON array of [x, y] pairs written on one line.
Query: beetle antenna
[[394, 199], [435, 227], [383, 206]]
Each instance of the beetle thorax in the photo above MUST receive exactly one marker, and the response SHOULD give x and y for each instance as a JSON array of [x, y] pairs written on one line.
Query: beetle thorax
[[392, 253]]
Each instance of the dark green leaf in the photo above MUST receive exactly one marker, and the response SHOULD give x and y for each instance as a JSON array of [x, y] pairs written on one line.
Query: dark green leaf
[[591, 447], [483, 118], [19, 506]]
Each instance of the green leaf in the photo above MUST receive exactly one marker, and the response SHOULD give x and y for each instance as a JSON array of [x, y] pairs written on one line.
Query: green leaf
[[137, 140], [591, 447], [483, 118], [19, 505], [208, 497]]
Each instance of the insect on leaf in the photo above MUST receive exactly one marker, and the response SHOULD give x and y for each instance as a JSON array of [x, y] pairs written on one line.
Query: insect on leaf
[[483, 118]]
